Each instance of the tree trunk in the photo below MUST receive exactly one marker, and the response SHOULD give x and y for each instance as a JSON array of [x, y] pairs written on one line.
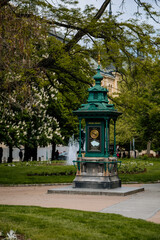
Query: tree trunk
[[10, 158], [30, 153], [53, 150], [1, 154], [148, 148], [34, 153], [26, 153]]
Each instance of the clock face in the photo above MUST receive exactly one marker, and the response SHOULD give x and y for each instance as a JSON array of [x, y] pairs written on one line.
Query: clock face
[[94, 133], [94, 139]]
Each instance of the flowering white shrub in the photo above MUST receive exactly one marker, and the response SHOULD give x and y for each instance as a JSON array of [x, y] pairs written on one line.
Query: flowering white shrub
[[133, 167]]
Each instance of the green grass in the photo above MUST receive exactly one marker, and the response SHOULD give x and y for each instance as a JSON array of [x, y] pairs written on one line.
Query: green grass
[[38, 223], [35, 172], [42, 172]]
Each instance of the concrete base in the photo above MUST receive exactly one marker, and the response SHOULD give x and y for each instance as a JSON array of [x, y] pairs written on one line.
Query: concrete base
[[96, 182], [121, 191]]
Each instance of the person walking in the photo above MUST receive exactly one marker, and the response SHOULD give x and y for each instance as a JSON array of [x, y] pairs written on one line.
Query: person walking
[[20, 155], [57, 155]]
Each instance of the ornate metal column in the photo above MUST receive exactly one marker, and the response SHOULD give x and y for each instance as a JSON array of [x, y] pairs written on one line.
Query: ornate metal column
[[95, 168], [80, 154], [114, 154], [107, 138]]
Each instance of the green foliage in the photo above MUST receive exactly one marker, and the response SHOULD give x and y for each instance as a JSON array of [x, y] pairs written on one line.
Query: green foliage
[[48, 223], [134, 170], [139, 101], [144, 157], [133, 167], [42, 76], [22, 111], [39, 81]]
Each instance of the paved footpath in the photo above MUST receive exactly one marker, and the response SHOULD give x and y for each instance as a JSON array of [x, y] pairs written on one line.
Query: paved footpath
[[143, 205]]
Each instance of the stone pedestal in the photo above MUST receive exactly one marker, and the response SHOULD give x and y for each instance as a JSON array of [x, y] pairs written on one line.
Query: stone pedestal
[[97, 173]]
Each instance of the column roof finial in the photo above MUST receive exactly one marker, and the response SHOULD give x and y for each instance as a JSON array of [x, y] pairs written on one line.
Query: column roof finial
[[99, 58]]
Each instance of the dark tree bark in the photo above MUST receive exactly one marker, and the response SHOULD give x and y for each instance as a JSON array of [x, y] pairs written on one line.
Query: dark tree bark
[[10, 158], [1, 154], [53, 150], [30, 153], [148, 148], [27, 154], [4, 2]]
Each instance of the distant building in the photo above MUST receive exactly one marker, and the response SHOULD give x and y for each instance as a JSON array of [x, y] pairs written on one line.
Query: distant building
[[110, 81], [111, 78]]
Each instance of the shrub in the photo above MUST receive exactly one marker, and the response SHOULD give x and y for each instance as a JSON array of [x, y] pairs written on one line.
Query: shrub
[[133, 167]]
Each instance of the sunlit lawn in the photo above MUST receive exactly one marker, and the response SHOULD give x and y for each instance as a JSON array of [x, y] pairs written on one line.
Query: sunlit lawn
[[38, 223]]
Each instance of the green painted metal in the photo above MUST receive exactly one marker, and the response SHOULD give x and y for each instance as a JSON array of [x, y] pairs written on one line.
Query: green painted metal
[[78, 165], [99, 123], [97, 101], [114, 154], [80, 154], [97, 109], [107, 139]]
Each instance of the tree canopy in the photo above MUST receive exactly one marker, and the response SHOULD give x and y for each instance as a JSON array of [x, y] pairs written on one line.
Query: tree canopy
[[43, 79]]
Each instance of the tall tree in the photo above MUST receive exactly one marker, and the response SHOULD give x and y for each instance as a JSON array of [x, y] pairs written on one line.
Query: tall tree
[[27, 83], [140, 101], [45, 62]]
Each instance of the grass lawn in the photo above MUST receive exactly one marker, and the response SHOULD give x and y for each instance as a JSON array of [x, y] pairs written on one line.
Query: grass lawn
[[36, 223], [45, 172], [35, 172]]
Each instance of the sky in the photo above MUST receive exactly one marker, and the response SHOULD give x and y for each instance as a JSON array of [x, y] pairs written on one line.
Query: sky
[[129, 8]]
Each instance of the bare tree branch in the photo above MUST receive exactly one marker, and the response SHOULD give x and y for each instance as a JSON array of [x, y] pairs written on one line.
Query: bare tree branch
[[81, 33], [145, 6]]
